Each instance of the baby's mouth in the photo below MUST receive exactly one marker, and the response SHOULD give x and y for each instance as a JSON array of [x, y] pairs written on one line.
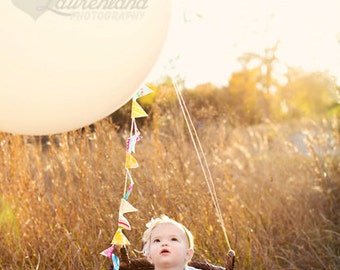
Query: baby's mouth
[[165, 251]]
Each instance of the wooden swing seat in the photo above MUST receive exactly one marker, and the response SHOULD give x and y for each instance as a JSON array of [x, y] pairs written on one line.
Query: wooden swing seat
[[143, 264]]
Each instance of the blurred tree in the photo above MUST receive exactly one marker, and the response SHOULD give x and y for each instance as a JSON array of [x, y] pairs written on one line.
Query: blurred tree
[[266, 82], [205, 102], [255, 93], [307, 94], [244, 96]]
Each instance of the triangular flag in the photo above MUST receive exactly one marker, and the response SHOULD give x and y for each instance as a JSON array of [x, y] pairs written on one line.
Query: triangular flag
[[137, 110], [108, 252], [142, 92], [126, 207], [119, 238], [128, 192], [124, 223], [115, 262], [131, 142], [130, 162]]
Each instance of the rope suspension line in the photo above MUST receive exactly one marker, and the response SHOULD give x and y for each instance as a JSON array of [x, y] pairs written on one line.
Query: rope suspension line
[[201, 158]]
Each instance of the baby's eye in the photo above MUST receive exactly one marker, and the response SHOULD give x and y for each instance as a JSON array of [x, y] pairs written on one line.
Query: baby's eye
[[174, 239], [156, 240]]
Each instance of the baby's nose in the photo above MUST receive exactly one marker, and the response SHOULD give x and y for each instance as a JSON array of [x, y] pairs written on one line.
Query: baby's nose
[[164, 243]]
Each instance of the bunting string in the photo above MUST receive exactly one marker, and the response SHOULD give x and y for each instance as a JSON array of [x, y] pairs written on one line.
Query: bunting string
[[119, 238]]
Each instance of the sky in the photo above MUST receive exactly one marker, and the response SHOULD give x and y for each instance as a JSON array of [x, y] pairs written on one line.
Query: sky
[[207, 36]]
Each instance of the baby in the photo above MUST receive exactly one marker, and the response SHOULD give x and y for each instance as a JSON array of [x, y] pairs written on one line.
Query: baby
[[168, 244]]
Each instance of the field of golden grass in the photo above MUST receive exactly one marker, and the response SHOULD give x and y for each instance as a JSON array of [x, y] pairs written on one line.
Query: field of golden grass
[[278, 188]]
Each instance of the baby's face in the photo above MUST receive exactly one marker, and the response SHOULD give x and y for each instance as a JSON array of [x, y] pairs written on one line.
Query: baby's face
[[169, 247]]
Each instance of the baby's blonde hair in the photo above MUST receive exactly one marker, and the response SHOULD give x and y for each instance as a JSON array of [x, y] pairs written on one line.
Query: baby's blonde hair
[[160, 220]]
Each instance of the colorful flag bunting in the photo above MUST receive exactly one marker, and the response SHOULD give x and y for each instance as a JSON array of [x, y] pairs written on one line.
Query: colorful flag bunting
[[131, 142], [127, 194], [108, 252], [126, 207], [130, 162], [119, 238], [115, 262], [124, 223], [142, 92], [137, 111]]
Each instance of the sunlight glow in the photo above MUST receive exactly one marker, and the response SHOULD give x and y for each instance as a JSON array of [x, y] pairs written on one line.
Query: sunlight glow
[[209, 36]]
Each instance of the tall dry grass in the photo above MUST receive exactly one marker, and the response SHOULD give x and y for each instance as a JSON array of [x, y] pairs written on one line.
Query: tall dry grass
[[59, 195]]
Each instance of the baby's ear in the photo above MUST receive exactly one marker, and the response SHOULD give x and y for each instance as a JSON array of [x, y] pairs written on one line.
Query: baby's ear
[[190, 253], [148, 257]]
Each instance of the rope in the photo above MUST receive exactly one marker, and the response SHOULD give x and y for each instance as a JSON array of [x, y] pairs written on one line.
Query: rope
[[201, 158]]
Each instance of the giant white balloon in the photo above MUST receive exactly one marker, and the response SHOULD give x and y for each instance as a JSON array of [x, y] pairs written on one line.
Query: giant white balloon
[[65, 64]]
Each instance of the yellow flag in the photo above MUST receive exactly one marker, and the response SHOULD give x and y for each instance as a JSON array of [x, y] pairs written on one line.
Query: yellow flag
[[119, 238], [130, 162], [137, 110]]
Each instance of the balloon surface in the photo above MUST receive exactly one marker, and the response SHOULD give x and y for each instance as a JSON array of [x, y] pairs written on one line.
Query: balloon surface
[[65, 64]]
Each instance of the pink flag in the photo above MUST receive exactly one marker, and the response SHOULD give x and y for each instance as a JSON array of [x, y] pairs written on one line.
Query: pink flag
[[108, 252]]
